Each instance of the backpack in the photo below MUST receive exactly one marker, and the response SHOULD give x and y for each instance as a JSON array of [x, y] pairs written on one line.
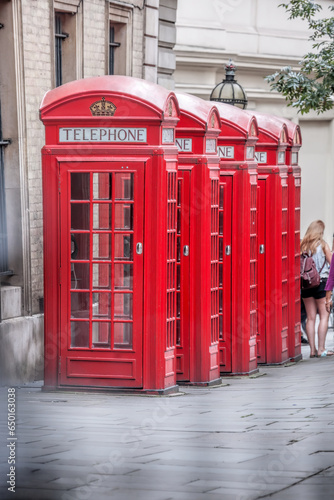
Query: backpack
[[309, 276]]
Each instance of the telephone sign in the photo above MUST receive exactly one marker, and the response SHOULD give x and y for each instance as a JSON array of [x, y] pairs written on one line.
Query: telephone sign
[[294, 158], [102, 134], [281, 157], [167, 135], [226, 152], [210, 145], [261, 157], [184, 144], [250, 152]]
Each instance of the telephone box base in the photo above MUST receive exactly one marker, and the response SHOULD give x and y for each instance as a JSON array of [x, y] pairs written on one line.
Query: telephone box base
[[119, 390], [217, 381], [239, 374], [296, 359], [282, 363]]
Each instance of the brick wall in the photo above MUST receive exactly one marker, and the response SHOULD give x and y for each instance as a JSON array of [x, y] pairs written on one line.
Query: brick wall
[[37, 78], [38, 61]]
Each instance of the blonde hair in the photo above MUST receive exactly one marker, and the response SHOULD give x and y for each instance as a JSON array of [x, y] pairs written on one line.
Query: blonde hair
[[313, 237]]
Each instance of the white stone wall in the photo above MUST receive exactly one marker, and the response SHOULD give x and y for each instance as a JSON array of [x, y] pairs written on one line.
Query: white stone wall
[[138, 38], [95, 38], [159, 41], [260, 39], [167, 39], [22, 350]]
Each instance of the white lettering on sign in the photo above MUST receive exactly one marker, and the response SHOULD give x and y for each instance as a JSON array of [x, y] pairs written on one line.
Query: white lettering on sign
[[167, 136], [294, 158], [226, 151], [101, 134], [261, 157], [210, 146], [185, 145], [281, 157], [250, 152]]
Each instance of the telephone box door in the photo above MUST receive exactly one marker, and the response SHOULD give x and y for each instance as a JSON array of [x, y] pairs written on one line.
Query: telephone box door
[[101, 214], [183, 277], [225, 273], [261, 335]]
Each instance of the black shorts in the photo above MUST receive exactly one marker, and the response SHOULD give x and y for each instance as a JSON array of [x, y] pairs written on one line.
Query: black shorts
[[318, 292]]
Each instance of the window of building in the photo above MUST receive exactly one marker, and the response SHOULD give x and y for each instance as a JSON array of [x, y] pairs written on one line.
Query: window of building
[[3, 221], [66, 48], [117, 49], [8, 130], [119, 57], [113, 46], [59, 40]]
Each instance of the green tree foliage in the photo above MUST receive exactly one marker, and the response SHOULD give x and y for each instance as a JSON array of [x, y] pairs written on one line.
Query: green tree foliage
[[311, 88]]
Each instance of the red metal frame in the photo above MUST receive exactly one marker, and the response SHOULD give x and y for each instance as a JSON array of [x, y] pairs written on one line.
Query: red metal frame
[[273, 224], [262, 288], [294, 194], [92, 364], [183, 278], [196, 136], [149, 363], [238, 296], [225, 273]]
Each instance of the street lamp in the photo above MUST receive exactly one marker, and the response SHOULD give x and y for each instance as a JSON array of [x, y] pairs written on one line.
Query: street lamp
[[229, 90]]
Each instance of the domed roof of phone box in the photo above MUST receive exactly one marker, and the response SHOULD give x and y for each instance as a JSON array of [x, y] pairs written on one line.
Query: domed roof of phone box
[[271, 128], [242, 121], [294, 132], [194, 109], [134, 96]]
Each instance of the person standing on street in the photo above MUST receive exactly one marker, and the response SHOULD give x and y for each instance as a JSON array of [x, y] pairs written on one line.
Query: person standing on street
[[314, 245]]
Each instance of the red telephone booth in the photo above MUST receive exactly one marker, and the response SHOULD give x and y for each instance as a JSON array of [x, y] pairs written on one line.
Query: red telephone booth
[[294, 188], [237, 241], [273, 285], [197, 248], [109, 184]]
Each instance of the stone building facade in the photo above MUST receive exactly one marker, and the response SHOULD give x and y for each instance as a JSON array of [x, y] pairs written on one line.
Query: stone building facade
[[44, 43], [259, 38]]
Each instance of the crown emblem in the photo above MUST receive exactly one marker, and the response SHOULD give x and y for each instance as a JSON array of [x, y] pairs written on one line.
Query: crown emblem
[[103, 108]]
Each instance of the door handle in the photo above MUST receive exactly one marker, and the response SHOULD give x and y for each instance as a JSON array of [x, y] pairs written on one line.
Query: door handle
[[186, 250], [228, 250], [139, 248], [261, 249]]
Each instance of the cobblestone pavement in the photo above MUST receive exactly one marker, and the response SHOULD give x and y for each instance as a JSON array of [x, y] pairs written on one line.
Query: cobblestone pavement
[[261, 437]]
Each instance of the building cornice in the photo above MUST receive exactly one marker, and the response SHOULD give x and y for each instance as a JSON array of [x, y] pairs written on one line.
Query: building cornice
[[211, 58]]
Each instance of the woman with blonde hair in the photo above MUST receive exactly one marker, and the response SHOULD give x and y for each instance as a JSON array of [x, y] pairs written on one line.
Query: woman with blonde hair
[[313, 244]]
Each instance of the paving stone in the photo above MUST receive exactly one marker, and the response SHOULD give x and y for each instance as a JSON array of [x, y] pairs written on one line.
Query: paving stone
[[271, 435], [40, 493]]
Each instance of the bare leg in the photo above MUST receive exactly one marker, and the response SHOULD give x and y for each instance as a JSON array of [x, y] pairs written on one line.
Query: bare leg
[[311, 313], [323, 325]]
